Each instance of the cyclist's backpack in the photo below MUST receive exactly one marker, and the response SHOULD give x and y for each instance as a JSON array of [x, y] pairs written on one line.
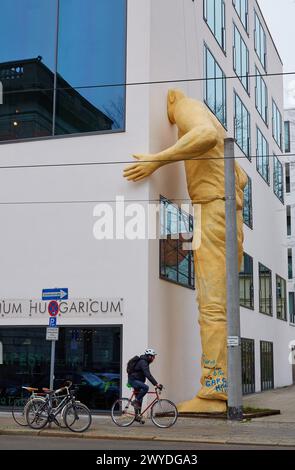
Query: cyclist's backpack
[[131, 364]]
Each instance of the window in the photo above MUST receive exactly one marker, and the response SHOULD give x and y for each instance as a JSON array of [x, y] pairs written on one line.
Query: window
[[292, 306], [265, 290], [176, 260], [241, 59], [276, 124], [60, 61], [266, 365], [260, 41], [214, 15], [246, 282], [287, 136], [247, 206], [248, 365], [262, 153], [278, 179], [88, 356], [281, 294], [287, 179], [214, 87], [241, 7], [261, 96], [289, 220], [242, 127], [290, 263]]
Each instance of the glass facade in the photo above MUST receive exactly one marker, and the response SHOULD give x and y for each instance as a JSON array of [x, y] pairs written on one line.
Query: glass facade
[[176, 259], [241, 7], [242, 127], [266, 365], [261, 96], [248, 365], [62, 65], [214, 87], [260, 40], [281, 295], [246, 282], [289, 220], [88, 356], [278, 179], [287, 177], [265, 290], [214, 15], [277, 124], [247, 205], [262, 156], [241, 59], [287, 136], [290, 263]]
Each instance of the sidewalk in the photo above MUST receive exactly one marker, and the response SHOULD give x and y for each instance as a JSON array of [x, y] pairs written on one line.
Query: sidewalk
[[278, 430]]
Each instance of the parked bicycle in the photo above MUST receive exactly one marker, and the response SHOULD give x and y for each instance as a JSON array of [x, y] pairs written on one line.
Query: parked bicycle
[[163, 412], [40, 412], [19, 404]]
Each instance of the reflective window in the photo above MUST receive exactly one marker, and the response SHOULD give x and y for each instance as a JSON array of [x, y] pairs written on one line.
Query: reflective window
[[88, 356], [214, 15], [62, 65], [278, 179], [277, 124], [262, 156], [241, 7], [265, 290], [214, 87], [281, 294], [176, 256], [248, 365], [290, 264], [261, 96], [287, 136], [289, 222], [287, 179], [242, 127], [241, 59], [246, 282], [247, 205], [260, 41]]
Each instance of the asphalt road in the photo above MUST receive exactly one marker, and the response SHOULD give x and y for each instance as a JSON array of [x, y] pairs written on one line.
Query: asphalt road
[[58, 443]]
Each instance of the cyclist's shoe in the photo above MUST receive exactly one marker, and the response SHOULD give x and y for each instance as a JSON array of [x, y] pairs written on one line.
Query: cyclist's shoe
[[136, 405], [139, 419]]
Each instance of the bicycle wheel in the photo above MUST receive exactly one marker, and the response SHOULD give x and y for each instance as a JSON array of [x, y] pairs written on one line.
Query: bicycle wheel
[[77, 417], [18, 411], [36, 412], [164, 413], [122, 412]]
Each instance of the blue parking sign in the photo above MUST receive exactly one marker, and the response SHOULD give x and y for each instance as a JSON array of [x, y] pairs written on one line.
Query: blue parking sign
[[52, 322]]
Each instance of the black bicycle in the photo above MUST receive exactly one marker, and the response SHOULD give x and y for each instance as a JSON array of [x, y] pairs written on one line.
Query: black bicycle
[[76, 415]]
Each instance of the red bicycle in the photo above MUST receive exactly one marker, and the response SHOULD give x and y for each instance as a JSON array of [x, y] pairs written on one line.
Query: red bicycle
[[163, 412]]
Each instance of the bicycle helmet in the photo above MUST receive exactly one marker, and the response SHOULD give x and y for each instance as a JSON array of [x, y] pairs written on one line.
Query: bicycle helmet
[[150, 352]]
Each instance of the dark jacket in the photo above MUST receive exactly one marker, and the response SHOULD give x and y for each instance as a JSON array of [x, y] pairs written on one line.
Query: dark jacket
[[142, 371]]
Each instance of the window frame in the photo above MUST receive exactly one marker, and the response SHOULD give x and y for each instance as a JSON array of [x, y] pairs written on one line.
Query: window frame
[[277, 124], [263, 41], [244, 111], [251, 287], [242, 43], [224, 87], [239, 13], [263, 156], [222, 45], [287, 141], [270, 298], [278, 164], [250, 204], [262, 90]]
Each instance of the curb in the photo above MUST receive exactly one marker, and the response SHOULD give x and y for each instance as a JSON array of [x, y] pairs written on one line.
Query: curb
[[46, 433]]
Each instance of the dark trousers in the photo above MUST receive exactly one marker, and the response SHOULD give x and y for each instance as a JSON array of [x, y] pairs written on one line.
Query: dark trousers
[[139, 387]]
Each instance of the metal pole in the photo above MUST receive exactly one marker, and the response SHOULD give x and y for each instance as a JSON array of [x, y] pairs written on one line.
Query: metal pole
[[52, 365], [235, 411]]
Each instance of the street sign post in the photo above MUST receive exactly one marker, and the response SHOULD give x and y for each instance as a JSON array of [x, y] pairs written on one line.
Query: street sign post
[[55, 294], [52, 334]]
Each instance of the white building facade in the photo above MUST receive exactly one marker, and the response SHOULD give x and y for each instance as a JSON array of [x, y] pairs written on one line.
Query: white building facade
[[68, 126]]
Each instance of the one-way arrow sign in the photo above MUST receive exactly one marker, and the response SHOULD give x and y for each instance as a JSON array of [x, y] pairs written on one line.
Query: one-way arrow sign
[[55, 294]]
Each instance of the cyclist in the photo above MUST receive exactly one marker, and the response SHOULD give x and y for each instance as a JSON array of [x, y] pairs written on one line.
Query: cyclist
[[138, 376]]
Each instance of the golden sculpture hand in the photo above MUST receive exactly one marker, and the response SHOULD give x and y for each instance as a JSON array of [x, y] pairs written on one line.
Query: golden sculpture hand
[[145, 166]]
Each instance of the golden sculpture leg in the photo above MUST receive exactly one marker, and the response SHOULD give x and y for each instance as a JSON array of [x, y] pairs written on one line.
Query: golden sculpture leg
[[210, 271]]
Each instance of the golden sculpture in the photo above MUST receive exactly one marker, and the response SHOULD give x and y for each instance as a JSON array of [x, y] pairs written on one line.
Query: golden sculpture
[[200, 134]]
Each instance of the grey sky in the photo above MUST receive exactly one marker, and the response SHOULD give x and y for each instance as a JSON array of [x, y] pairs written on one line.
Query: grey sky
[[280, 18]]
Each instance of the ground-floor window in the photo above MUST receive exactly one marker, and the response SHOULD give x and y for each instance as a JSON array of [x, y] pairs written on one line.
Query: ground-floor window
[[248, 366], [266, 365], [88, 356]]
